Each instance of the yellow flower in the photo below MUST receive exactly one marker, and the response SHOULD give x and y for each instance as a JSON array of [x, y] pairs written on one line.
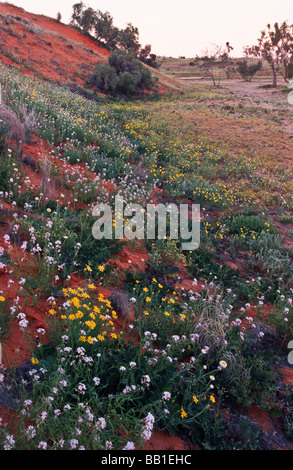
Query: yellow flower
[[91, 324], [88, 268], [83, 339], [145, 289], [52, 311], [34, 360], [212, 398], [148, 299], [2, 299], [84, 295], [183, 413], [146, 313], [101, 269], [75, 301], [167, 314], [195, 399]]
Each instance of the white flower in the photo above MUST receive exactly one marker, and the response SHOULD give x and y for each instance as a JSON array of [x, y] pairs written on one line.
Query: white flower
[[129, 446], [96, 380], [223, 364], [166, 396]]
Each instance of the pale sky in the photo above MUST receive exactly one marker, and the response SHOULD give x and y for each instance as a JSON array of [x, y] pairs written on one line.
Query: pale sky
[[181, 27]]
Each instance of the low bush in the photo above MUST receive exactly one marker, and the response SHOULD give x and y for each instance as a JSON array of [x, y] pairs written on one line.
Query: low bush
[[123, 75]]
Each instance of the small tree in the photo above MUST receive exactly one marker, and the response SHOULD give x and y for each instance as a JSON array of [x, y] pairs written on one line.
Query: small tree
[[59, 17], [214, 61], [128, 39], [104, 27], [147, 57], [276, 47], [247, 71], [84, 18]]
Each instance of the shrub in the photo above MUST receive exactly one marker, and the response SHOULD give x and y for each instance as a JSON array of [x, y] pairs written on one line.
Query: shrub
[[124, 75], [104, 78], [126, 84], [248, 71]]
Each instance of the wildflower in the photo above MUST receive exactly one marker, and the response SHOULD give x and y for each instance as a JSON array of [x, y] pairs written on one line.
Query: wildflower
[[129, 446], [27, 403], [9, 444], [223, 364], [101, 423], [42, 445], [73, 443], [195, 399], [166, 396], [34, 360], [31, 432], [96, 380], [148, 426], [44, 415], [146, 380], [183, 413], [101, 269], [212, 398]]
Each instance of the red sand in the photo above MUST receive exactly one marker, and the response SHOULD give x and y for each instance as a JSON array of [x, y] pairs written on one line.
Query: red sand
[[55, 51]]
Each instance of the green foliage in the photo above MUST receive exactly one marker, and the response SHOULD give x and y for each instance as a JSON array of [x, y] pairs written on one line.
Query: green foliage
[[247, 224], [4, 132], [101, 26], [105, 78], [247, 71], [5, 317], [123, 75]]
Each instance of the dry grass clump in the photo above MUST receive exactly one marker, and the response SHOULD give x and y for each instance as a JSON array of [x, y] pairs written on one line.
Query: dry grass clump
[[16, 127], [47, 186]]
